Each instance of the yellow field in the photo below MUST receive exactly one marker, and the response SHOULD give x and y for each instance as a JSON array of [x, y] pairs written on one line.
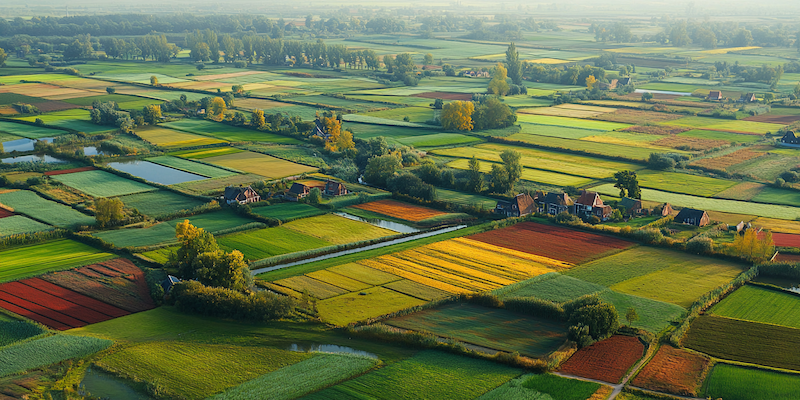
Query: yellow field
[[337, 230], [547, 61], [169, 138], [260, 164], [724, 51], [778, 225]]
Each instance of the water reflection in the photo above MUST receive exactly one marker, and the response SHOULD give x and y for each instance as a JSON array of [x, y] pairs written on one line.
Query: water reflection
[[328, 348], [21, 145], [790, 285], [392, 226], [92, 151], [33, 158], [104, 386], [155, 173]]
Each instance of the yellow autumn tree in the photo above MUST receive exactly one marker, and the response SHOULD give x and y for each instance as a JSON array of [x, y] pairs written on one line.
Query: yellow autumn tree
[[457, 115], [216, 110], [257, 120], [590, 81], [752, 246], [338, 139], [498, 85]]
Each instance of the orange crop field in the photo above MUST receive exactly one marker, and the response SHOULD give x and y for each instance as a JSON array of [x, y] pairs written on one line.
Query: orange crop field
[[728, 160], [396, 209], [607, 361], [674, 371]]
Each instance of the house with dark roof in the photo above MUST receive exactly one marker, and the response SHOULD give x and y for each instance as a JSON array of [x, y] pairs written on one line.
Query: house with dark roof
[[590, 203], [714, 95], [557, 203], [790, 138], [168, 283], [631, 206], [748, 98], [690, 216], [240, 195], [335, 188], [625, 81], [301, 189], [522, 204], [320, 130]]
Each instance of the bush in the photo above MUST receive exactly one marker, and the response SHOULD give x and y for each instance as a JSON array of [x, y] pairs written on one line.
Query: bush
[[700, 245], [193, 297]]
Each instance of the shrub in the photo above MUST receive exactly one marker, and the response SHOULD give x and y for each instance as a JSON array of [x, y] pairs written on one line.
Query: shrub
[[700, 245], [194, 297]]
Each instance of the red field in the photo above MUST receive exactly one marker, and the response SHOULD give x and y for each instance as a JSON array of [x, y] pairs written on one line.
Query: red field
[[786, 239], [399, 210], [54, 105], [555, 242], [54, 306], [607, 361], [786, 257], [5, 213], [69, 171], [673, 371], [117, 282], [445, 96]]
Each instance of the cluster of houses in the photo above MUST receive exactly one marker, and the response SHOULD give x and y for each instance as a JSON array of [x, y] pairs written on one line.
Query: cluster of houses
[[716, 95], [589, 204], [245, 194]]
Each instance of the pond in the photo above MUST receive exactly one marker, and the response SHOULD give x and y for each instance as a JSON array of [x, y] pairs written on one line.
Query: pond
[[662, 92], [790, 285], [102, 385], [328, 348], [392, 226], [92, 151], [33, 158], [20, 145], [155, 173]]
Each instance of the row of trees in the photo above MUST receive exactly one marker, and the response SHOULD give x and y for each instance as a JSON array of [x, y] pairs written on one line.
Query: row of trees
[[486, 113], [154, 47]]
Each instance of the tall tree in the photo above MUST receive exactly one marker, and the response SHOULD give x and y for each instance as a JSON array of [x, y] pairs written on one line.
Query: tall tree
[[590, 82], [108, 211], [628, 184], [216, 109], [513, 64], [474, 175], [3, 57], [257, 120], [213, 44], [428, 59], [498, 85], [380, 168], [152, 113], [457, 115]]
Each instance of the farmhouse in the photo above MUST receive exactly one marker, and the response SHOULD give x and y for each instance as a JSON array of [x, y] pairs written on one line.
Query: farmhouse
[[557, 203], [748, 98], [625, 81], [715, 95], [522, 204], [608, 86], [690, 216], [320, 130], [790, 138], [590, 203], [334, 188], [666, 209], [631, 206], [168, 283], [241, 195]]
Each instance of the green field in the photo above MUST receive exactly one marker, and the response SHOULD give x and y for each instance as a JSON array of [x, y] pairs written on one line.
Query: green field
[[683, 183], [732, 382], [488, 327], [543, 387], [438, 139], [466, 199], [553, 131], [368, 303], [658, 274], [298, 379], [529, 174], [18, 224], [758, 304], [703, 203], [334, 229], [29, 131], [589, 147], [196, 370], [200, 154], [429, 374], [164, 232], [717, 135], [102, 184], [12, 331], [288, 211], [264, 243], [56, 255], [46, 351], [773, 195], [745, 341], [29, 203], [571, 122], [77, 119], [194, 167], [227, 132], [159, 202]]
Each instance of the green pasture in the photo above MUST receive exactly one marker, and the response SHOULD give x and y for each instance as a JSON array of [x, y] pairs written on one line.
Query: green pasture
[[300, 154], [337, 230], [172, 95], [117, 98], [488, 327], [543, 387], [758, 304], [745, 341], [288, 211], [394, 100], [49, 350], [768, 167], [24, 261], [12, 330], [77, 119], [438, 139], [227, 132], [101, 183], [159, 202], [414, 114], [521, 101], [368, 303], [264, 243], [703, 203], [430, 374], [466, 199], [200, 154], [528, 174], [724, 124], [306, 113], [773, 195], [194, 167], [670, 87], [733, 382], [164, 232], [143, 77], [14, 79], [553, 131], [17, 224], [683, 183], [29, 203], [366, 119], [348, 104], [585, 146], [571, 122], [28, 131]]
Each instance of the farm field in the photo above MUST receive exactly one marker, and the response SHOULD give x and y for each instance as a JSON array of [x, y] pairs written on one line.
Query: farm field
[[488, 327], [767, 344], [259, 164], [429, 372], [563, 244], [159, 203], [45, 351], [544, 386], [18, 224], [569, 122], [337, 230], [173, 139], [759, 304], [529, 174], [608, 360], [29, 131], [268, 242], [527, 129], [192, 167], [76, 119], [590, 147], [743, 383], [400, 210], [288, 211], [683, 183], [674, 371], [24, 261], [12, 331], [29, 203], [467, 199], [102, 184], [227, 132]]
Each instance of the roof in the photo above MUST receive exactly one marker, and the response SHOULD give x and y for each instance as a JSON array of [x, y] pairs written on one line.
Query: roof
[[716, 94], [625, 81], [333, 185], [167, 284], [689, 213], [298, 188], [590, 199], [236, 192], [790, 137], [628, 202], [523, 201], [561, 199]]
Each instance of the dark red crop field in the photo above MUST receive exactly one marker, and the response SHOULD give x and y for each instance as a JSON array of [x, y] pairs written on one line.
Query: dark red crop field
[[5, 213], [786, 239], [76, 297], [68, 171], [607, 361], [555, 242]]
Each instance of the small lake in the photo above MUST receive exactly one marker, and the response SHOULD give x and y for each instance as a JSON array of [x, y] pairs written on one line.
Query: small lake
[[662, 92], [390, 225], [92, 151], [33, 158], [328, 348], [102, 385], [20, 145], [790, 285], [155, 173]]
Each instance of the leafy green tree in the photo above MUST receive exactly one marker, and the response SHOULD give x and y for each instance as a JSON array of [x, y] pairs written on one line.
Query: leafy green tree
[[428, 59], [513, 64], [491, 114], [474, 175], [200, 52], [314, 196], [380, 168], [505, 175], [439, 103], [631, 316], [628, 184], [602, 319], [3, 57], [647, 96], [152, 113], [109, 212], [742, 38], [221, 269], [193, 242]]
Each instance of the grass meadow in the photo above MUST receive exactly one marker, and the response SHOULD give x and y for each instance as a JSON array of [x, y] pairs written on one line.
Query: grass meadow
[[337, 230], [49, 350], [259, 164], [227, 132], [173, 139], [24, 261], [102, 184], [29, 203], [288, 211], [194, 167], [759, 304], [18, 224], [544, 386], [159, 202], [733, 382], [268, 242]]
